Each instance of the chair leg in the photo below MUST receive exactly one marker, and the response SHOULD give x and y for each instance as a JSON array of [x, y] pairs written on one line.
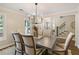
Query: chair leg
[[46, 52], [22, 53], [15, 52], [66, 53]]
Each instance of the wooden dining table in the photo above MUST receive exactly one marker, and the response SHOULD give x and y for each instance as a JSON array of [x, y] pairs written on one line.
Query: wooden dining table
[[46, 42]]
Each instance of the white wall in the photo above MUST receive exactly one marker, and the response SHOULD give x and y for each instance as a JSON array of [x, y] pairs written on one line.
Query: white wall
[[77, 28], [67, 20], [14, 22]]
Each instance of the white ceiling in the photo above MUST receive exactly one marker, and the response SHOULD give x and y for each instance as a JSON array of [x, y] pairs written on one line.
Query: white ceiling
[[43, 8]]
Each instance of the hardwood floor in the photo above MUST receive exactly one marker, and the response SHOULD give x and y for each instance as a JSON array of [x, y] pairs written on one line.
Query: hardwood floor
[[8, 51], [74, 50]]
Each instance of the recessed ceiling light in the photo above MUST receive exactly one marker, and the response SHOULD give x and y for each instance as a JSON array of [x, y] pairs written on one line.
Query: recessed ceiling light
[[21, 9], [61, 16]]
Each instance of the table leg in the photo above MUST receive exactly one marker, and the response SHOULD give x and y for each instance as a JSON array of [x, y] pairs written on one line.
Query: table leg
[[46, 52]]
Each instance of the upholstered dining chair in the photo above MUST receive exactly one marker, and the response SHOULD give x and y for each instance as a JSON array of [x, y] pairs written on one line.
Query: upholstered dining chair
[[30, 46], [63, 47], [19, 48], [47, 33]]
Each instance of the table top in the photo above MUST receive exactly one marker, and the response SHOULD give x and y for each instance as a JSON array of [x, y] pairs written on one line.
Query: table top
[[39, 37], [46, 42]]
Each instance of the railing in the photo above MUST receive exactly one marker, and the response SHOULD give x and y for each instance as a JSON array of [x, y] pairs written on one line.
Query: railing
[[61, 30]]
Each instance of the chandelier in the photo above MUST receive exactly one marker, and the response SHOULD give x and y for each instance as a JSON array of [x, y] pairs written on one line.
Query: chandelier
[[35, 16]]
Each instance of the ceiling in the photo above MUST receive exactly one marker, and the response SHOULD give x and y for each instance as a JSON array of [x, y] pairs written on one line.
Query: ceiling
[[43, 8]]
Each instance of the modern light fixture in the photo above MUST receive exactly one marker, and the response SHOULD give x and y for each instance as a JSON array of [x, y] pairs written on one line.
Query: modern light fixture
[[21, 9], [36, 16]]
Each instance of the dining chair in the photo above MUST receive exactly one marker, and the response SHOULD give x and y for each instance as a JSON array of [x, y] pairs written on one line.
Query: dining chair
[[47, 33], [35, 31], [19, 48], [30, 46], [63, 47]]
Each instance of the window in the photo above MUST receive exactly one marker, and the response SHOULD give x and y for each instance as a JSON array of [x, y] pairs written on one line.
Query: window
[[1, 25], [27, 27]]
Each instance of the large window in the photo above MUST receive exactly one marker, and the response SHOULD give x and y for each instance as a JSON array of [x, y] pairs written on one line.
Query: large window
[[27, 26], [1, 25]]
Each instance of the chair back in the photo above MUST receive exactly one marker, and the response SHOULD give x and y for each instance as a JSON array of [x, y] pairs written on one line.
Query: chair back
[[18, 41], [47, 33], [68, 40], [30, 48], [35, 31]]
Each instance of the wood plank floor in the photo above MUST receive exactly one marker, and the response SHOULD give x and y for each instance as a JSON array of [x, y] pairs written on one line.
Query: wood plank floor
[[8, 51]]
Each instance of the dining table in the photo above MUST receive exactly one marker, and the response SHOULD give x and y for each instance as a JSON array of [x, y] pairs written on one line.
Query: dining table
[[46, 42]]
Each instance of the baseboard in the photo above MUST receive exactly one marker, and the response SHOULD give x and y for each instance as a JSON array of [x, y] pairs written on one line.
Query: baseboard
[[6, 46]]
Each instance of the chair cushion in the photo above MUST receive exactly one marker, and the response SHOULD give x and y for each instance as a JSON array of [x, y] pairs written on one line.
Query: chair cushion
[[58, 48]]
